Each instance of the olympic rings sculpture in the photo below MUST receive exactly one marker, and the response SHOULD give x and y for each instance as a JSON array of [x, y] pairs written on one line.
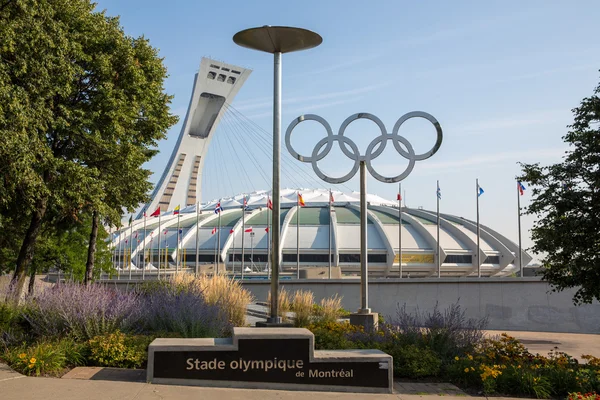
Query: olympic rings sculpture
[[349, 148]]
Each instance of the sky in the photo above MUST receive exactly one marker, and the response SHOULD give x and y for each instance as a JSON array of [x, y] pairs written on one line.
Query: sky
[[500, 77]]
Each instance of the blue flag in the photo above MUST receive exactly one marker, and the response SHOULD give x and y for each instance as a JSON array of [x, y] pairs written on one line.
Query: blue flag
[[480, 192], [439, 193]]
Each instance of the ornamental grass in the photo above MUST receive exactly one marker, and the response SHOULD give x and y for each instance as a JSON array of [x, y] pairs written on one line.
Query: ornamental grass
[[303, 304]]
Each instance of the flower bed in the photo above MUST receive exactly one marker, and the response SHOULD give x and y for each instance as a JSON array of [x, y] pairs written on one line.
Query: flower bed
[[70, 324]]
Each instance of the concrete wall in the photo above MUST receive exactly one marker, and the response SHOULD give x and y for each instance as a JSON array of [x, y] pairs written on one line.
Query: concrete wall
[[510, 303]]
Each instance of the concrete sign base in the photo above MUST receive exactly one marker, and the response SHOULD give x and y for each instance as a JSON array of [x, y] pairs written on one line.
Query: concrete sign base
[[276, 358]]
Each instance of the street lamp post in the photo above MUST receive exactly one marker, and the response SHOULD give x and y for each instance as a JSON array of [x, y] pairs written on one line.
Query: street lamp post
[[276, 40]]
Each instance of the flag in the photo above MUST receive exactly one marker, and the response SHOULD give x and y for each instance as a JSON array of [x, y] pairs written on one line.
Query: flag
[[479, 191], [126, 241], [214, 230], [218, 208], [130, 219], [520, 187], [331, 197], [145, 214], [267, 229], [156, 213], [301, 200], [231, 231], [399, 197], [136, 235], [248, 230], [269, 204], [439, 193], [245, 206], [176, 210], [165, 232], [180, 231]]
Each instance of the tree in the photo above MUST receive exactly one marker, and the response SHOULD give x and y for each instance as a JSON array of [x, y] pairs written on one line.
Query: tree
[[566, 199], [74, 91]]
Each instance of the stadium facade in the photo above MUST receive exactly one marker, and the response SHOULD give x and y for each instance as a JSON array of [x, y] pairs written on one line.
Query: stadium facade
[[323, 234]]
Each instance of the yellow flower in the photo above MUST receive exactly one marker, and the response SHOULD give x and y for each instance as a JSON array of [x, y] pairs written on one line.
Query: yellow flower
[[518, 367], [470, 357], [472, 369], [467, 369], [22, 355], [33, 360], [456, 358], [31, 366]]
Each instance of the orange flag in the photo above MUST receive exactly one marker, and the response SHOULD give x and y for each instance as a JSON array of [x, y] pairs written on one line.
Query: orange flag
[[301, 200]]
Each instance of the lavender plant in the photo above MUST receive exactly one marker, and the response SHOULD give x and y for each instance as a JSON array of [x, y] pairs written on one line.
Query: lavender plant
[[182, 309], [448, 332], [81, 311]]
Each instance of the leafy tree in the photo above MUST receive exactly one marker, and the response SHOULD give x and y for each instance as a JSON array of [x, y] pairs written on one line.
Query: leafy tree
[[566, 197], [76, 94]]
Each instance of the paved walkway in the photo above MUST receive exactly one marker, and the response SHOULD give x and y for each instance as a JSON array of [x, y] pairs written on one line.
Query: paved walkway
[[574, 344]]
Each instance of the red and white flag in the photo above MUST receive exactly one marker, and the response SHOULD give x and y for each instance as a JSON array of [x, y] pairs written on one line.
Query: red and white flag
[[269, 204], [330, 197], [231, 231], [214, 230], [156, 212], [267, 229], [399, 197], [248, 230]]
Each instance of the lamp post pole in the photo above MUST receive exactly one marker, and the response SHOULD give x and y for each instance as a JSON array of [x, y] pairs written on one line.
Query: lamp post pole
[[276, 40]]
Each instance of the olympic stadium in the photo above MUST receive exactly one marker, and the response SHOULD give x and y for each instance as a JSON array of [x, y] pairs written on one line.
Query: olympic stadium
[[177, 230]]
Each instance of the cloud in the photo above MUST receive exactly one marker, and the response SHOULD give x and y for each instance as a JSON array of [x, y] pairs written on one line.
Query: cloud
[[538, 118], [306, 108], [323, 96], [487, 159]]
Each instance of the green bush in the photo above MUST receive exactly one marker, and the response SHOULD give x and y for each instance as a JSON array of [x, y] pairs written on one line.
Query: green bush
[[333, 335], [414, 362], [119, 350], [46, 358]]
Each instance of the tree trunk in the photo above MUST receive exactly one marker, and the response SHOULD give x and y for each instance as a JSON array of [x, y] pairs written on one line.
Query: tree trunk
[[17, 283], [89, 265], [32, 271]]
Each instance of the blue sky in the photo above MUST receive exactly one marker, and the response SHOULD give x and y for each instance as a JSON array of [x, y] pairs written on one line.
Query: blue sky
[[501, 77]]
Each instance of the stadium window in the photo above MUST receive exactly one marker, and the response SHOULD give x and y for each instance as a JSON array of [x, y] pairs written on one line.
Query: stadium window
[[221, 78], [211, 75], [225, 69], [458, 259], [235, 72], [492, 260], [231, 80], [215, 66]]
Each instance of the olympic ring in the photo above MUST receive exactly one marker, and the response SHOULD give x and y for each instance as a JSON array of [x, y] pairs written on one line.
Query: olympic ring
[[374, 149]]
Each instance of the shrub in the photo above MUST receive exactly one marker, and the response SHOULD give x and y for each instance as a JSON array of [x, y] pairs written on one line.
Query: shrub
[[46, 358], [81, 311], [283, 298], [333, 335], [414, 362], [448, 333], [584, 396], [331, 308], [302, 305], [13, 327], [119, 350], [228, 294], [182, 309]]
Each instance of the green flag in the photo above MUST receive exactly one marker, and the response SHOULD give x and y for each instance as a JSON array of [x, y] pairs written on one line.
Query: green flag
[[130, 219]]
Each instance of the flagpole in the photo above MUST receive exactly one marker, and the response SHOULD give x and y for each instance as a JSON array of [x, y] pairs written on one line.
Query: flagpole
[[298, 235], [219, 240], [178, 240], [519, 224], [330, 207], [130, 246], [144, 251], [159, 260], [268, 239], [215, 258], [439, 255], [120, 259], [233, 253], [197, 239], [400, 229], [243, 233], [478, 233]]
